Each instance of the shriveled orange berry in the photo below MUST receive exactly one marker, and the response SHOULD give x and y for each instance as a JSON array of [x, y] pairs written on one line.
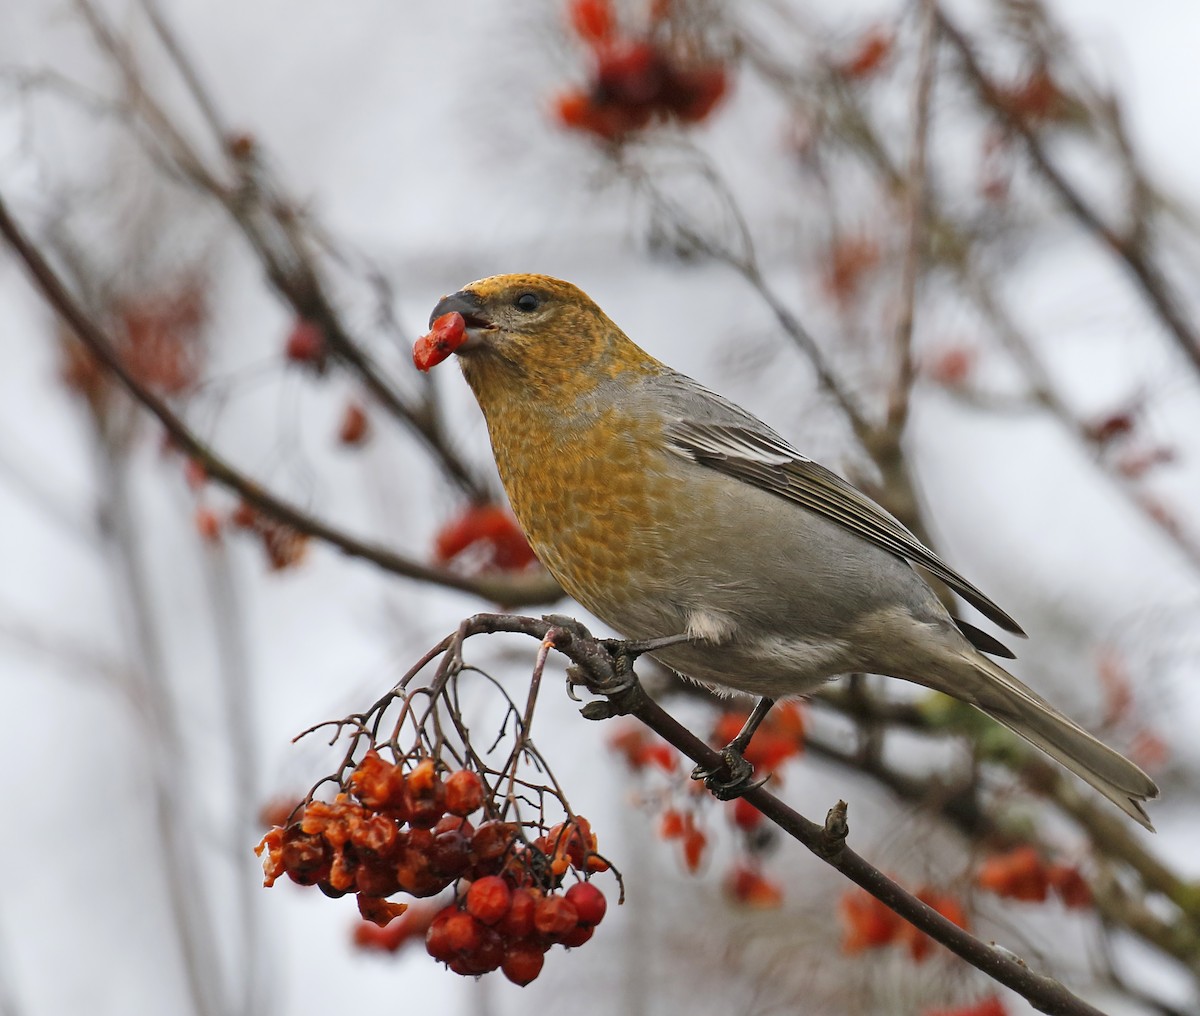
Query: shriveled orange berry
[[464, 792], [490, 844], [377, 911], [427, 795]]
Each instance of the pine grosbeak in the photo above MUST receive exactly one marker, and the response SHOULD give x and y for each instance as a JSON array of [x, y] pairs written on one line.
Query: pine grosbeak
[[666, 510]]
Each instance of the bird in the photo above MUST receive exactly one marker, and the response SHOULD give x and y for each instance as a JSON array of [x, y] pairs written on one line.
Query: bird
[[688, 524]]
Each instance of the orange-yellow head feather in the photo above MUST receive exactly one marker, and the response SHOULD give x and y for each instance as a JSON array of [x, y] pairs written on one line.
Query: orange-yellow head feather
[[538, 336]]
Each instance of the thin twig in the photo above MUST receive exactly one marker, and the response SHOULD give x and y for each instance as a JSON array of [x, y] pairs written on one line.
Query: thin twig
[[596, 667], [915, 212], [511, 590], [1128, 248], [274, 229]]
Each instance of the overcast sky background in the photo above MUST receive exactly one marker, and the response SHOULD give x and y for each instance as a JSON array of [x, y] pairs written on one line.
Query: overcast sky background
[[417, 133]]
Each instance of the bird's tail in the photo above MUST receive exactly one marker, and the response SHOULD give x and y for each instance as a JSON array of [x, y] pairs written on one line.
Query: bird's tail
[[994, 691]]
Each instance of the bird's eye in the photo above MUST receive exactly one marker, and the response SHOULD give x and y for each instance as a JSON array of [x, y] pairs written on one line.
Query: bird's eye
[[527, 302]]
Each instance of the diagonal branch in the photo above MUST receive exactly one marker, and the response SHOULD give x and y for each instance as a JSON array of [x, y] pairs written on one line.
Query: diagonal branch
[[916, 212], [603, 667], [271, 225], [1129, 248], [511, 590]]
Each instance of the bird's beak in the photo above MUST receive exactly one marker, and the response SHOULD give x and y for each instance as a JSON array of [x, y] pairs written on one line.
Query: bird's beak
[[468, 304]]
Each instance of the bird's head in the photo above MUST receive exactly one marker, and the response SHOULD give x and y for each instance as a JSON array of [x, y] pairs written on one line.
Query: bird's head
[[538, 331]]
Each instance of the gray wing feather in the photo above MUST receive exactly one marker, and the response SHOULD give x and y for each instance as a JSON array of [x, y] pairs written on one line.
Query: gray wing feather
[[743, 447]]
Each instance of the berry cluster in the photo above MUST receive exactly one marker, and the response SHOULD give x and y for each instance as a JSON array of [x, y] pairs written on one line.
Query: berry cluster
[[779, 739], [1023, 874], [869, 924], [990, 1006], [283, 546], [511, 926], [482, 538], [634, 81], [158, 336], [395, 832]]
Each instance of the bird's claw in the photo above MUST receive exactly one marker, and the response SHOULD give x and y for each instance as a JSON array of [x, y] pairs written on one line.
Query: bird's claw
[[732, 778]]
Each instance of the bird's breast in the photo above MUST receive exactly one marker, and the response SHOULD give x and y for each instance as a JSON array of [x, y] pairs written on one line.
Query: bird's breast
[[591, 498]]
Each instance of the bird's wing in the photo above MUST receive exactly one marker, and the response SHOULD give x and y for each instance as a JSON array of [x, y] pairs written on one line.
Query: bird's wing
[[731, 441]]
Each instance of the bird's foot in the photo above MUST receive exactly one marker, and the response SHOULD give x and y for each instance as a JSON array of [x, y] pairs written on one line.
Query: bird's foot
[[732, 778]]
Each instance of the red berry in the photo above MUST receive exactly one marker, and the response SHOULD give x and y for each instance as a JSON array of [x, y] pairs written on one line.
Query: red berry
[[489, 954], [244, 516], [445, 335], [746, 885], [694, 843], [631, 74], [427, 796], [207, 524], [745, 815], [554, 916], [490, 843], [194, 473], [672, 825], [592, 20], [577, 936], [463, 933], [464, 793], [518, 922], [522, 963], [353, 428], [450, 853], [488, 898], [376, 879], [588, 901], [1070, 885], [306, 343], [437, 940]]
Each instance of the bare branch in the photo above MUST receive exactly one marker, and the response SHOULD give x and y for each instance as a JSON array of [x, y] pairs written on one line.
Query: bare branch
[[603, 668], [916, 213], [512, 590], [1129, 248], [272, 225]]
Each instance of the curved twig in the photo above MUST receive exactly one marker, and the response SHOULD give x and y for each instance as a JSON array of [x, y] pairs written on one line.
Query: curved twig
[[514, 590]]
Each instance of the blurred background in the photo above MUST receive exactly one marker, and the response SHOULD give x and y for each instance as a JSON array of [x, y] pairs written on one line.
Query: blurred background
[[948, 249]]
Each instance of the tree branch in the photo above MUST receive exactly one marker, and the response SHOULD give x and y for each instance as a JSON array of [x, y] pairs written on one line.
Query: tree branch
[[1129, 248], [916, 212], [602, 666], [511, 590]]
